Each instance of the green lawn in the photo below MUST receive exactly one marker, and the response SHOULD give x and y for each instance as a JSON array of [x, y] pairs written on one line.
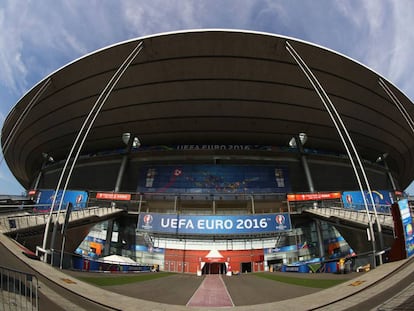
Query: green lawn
[[124, 279], [140, 277], [309, 282]]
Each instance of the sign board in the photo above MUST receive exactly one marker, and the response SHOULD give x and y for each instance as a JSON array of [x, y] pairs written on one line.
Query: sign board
[[211, 179], [407, 223], [45, 197], [213, 225], [355, 199], [319, 196], [113, 196]]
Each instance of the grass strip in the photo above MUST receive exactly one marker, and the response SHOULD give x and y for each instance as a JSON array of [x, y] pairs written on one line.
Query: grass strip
[[308, 282], [123, 279]]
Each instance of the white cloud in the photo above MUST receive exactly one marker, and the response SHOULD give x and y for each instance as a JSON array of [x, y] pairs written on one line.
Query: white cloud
[[163, 16], [39, 37], [11, 65], [402, 64], [379, 35]]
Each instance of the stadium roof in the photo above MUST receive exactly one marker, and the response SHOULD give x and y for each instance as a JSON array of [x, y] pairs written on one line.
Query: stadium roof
[[210, 87]]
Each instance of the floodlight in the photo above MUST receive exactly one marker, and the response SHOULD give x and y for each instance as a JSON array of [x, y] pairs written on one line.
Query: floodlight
[[127, 136], [47, 157], [302, 137]]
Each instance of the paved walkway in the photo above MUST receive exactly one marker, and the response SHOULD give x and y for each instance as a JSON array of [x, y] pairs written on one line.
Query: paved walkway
[[346, 296], [403, 301]]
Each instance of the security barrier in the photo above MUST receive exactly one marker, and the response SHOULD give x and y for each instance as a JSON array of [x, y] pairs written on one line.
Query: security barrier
[[18, 290]]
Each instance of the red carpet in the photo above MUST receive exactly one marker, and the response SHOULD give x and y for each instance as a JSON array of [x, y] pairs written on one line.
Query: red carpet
[[211, 293]]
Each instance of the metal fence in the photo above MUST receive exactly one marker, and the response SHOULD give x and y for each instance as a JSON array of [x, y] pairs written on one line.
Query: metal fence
[[354, 215], [18, 290]]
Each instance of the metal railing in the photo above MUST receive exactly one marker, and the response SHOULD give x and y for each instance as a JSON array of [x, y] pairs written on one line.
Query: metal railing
[[353, 215], [17, 221], [18, 290]]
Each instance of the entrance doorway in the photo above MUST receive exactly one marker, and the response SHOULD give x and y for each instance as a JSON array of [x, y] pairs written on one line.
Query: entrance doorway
[[246, 267], [214, 268], [275, 264]]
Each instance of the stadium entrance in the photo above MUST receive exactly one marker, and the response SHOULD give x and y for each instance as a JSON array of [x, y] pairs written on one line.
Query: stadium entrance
[[213, 261], [214, 268], [246, 267]]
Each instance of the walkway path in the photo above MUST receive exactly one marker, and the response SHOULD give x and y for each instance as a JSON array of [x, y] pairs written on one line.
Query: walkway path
[[211, 293]]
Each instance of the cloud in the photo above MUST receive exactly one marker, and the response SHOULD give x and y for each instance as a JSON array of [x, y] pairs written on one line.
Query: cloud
[[385, 37], [43, 36], [11, 64], [152, 16], [402, 64]]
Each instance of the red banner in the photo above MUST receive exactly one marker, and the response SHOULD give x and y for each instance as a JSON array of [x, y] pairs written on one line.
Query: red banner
[[113, 196], [314, 196]]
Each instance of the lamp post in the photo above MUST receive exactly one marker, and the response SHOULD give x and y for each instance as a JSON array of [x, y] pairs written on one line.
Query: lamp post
[[131, 142], [297, 142], [46, 159]]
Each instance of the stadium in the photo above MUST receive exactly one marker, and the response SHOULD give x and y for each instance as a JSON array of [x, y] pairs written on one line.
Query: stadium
[[213, 142]]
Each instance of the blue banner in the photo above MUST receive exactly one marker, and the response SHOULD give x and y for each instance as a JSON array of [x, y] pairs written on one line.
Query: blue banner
[[44, 200], [188, 178], [407, 222], [287, 248], [354, 199], [214, 225]]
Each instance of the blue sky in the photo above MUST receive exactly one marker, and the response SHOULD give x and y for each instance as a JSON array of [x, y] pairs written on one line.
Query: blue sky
[[39, 37]]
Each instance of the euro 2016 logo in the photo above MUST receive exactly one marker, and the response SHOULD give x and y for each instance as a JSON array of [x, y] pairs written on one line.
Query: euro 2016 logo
[[280, 219], [147, 220], [280, 222]]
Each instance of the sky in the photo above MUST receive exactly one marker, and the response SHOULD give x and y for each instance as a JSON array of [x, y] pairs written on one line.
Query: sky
[[39, 37]]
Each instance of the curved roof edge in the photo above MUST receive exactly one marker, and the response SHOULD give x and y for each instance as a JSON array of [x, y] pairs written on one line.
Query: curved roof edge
[[203, 30]]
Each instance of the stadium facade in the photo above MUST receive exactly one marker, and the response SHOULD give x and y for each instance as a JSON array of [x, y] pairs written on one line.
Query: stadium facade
[[213, 141]]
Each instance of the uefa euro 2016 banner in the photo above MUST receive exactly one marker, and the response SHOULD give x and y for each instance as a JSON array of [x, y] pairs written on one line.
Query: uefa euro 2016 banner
[[213, 225], [354, 200], [202, 179], [45, 198]]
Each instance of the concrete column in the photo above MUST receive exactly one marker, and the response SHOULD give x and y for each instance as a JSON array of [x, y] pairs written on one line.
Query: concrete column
[[108, 240], [124, 163], [305, 165], [390, 175]]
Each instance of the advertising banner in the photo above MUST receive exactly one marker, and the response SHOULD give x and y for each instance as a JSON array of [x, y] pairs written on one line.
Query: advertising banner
[[44, 200], [113, 196], [319, 196], [213, 225], [213, 179], [207, 147], [407, 222], [287, 248], [354, 199]]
